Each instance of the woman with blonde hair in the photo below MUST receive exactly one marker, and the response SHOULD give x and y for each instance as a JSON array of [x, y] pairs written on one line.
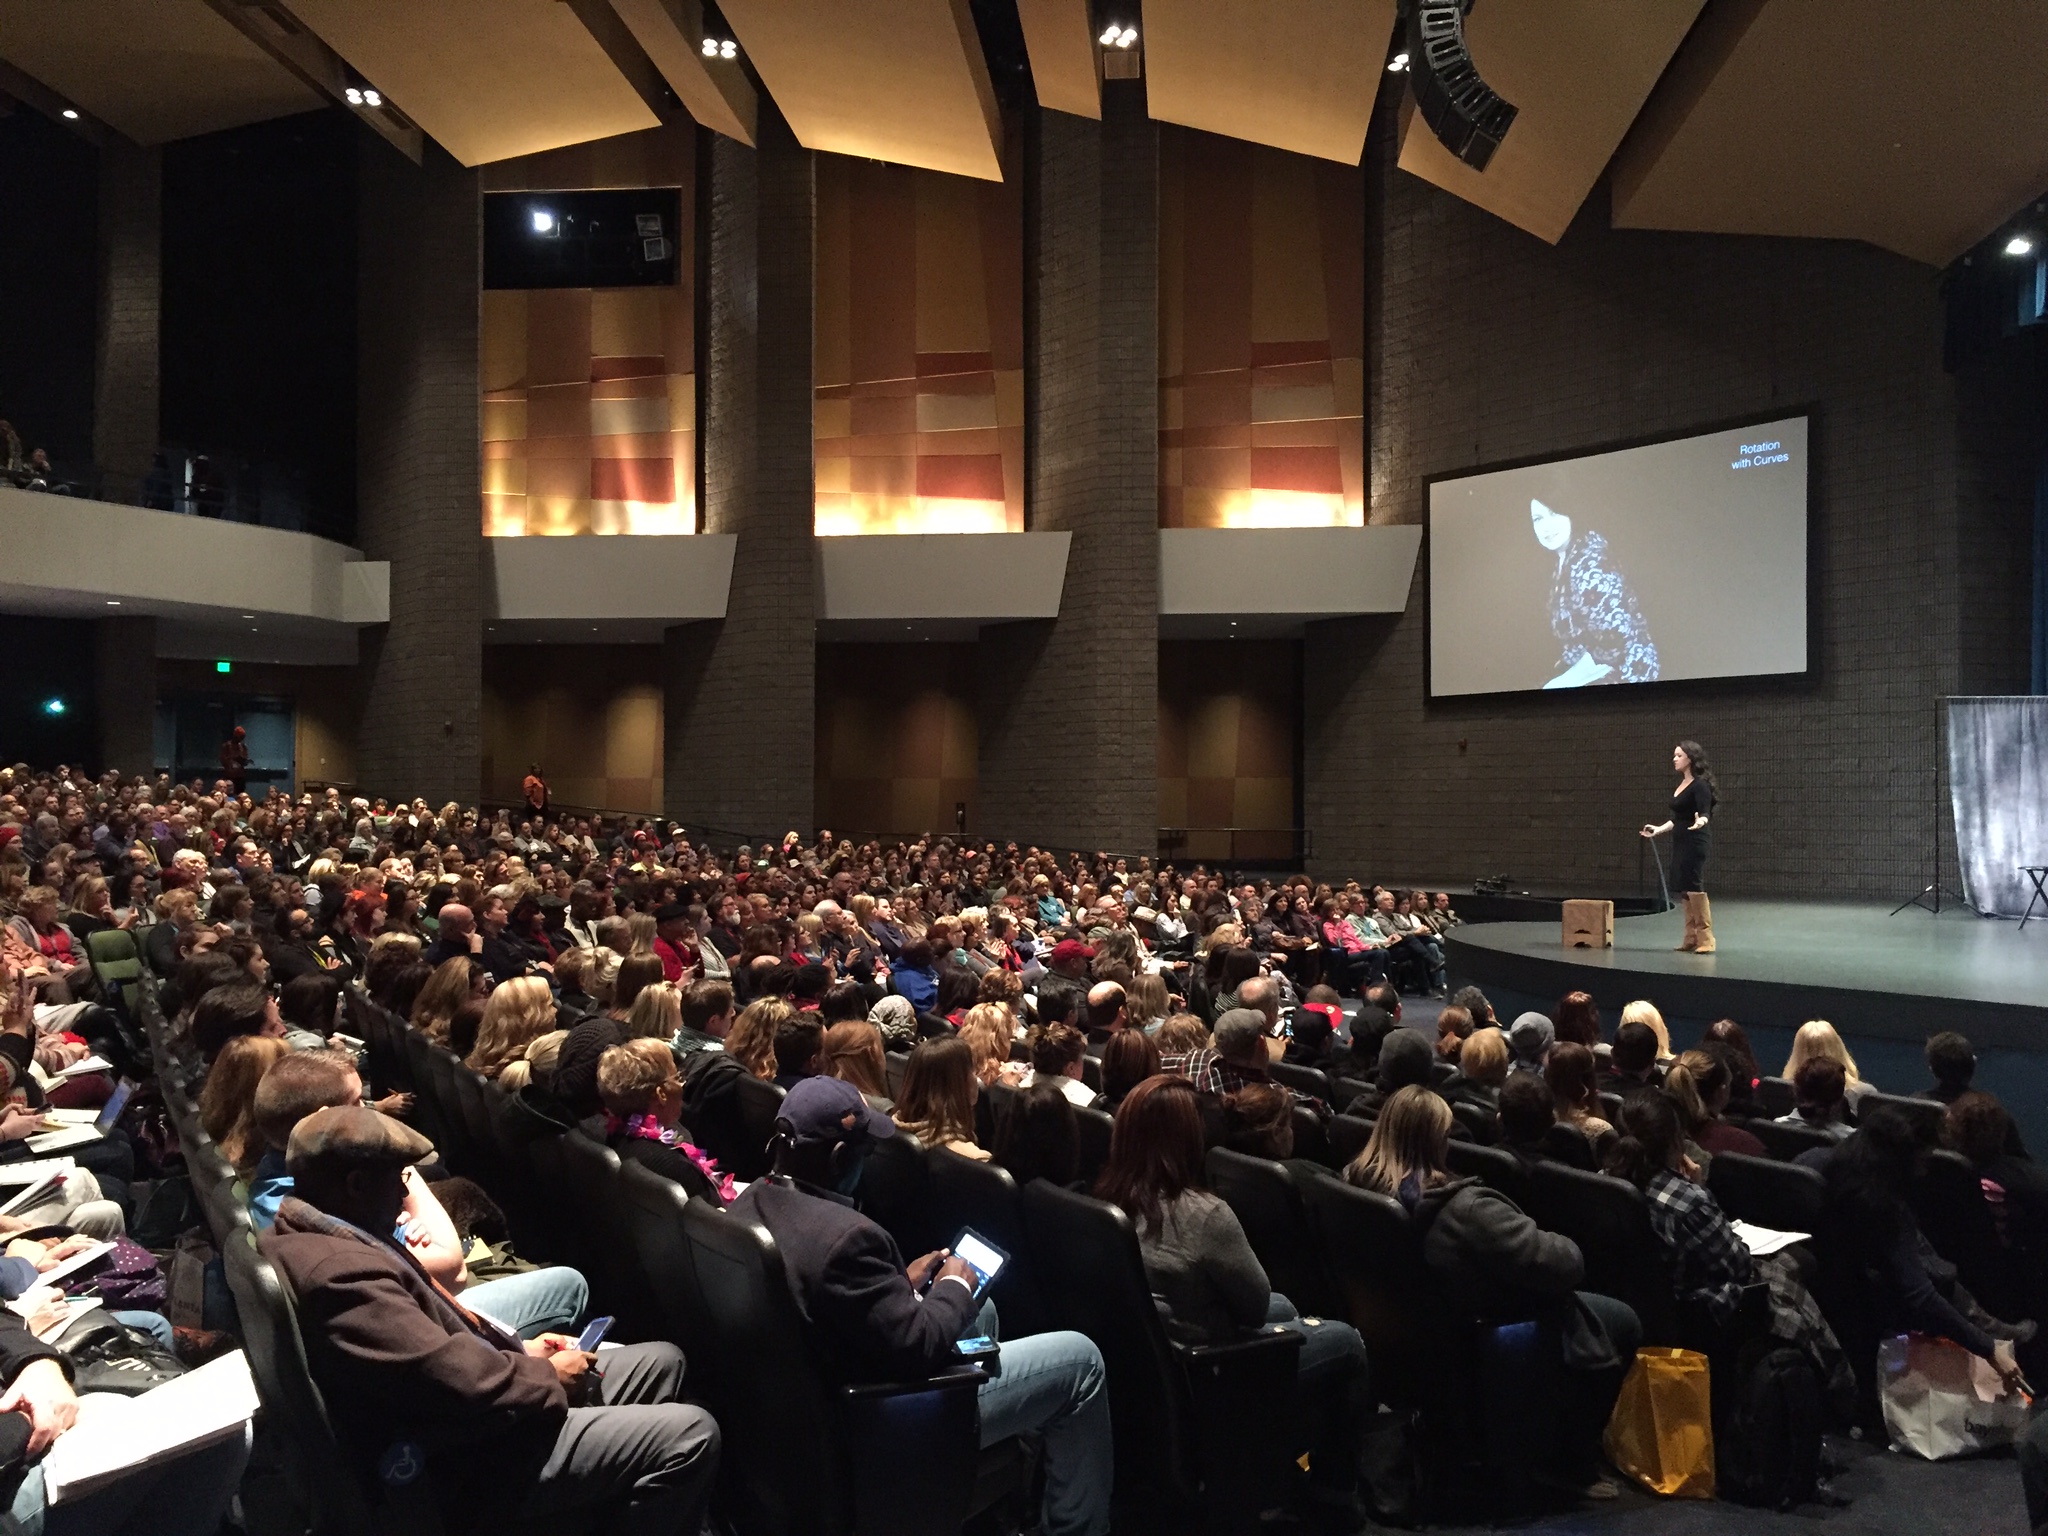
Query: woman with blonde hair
[[1642, 1011], [640, 934], [1145, 1002], [1181, 1034], [515, 1015], [455, 981], [939, 1092], [227, 1104], [1490, 1259], [853, 1053], [535, 1064], [657, 1013], [986, 1029], [1482, 1069], [751, 1040], [1817, 1037]]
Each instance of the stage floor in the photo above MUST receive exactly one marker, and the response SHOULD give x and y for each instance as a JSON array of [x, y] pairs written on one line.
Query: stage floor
[[1779, 963]]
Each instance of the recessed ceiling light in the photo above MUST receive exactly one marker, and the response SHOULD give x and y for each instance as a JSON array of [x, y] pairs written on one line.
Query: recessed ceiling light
[[728, 49], [352, 96], [543, 221], [1397, 64], [372, 99], [113, 602], [1128, 36], [2019, 245], [248, 615], [71, 114]]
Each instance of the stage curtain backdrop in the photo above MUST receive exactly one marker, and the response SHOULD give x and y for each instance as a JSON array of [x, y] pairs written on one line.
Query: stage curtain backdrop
[[1998, 782]]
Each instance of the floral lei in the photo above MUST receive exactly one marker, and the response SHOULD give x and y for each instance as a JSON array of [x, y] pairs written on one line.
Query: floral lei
[[647, 1128]]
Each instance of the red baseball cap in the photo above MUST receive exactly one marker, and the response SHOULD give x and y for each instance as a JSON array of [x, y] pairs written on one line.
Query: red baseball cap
[[1071, 949]]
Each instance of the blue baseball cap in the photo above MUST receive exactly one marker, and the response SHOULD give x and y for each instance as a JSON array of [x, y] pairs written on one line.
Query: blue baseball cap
[[829, 1109]]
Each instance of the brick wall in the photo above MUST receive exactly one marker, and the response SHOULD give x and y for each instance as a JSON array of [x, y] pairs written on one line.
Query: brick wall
[[1069, 708], [1485, 345], [739, 729], [127, 367], [418, 478]]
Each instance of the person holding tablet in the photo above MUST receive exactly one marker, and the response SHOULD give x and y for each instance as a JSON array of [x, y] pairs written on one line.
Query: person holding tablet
[[874, 1318]]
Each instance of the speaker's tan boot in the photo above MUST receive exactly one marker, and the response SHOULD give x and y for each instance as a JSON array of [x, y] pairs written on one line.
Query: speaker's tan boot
[[1705, 944], [1692, 923]]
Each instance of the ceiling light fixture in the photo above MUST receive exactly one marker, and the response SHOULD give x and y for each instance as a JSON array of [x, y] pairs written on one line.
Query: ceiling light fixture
[[1398, 64], [113, 602], [1116, 36], [372, 99], [353, 96], [543, 221], [728, 49], [2019, 245], [71, 114]]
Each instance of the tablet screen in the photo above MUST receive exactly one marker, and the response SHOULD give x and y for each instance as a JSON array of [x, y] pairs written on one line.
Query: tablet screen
[[980, 1256]]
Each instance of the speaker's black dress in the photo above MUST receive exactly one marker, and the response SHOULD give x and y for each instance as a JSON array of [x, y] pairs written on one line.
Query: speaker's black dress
[[1688, 848]]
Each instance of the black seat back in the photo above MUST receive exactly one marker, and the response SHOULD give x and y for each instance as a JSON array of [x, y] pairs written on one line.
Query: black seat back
[[896, 1194], [1766, 1192], [1480, 1122], [1949, 1202], [1311, 1136], [1348, 1137], [760, 1102], [1309, 1080], [1266, 1198], [964, 1192], [1776, 1096], [1786, 1141], [611, 1264], [1569, 1146], [1096, 1128], [1374, 1257], [1497, 1170], [1610, 1221], [1925, 1115]]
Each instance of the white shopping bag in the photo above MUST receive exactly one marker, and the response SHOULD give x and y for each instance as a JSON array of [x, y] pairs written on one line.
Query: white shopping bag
[[1940, 1400]]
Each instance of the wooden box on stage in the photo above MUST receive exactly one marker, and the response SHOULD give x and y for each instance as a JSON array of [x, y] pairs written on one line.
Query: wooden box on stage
[[1589, 925]]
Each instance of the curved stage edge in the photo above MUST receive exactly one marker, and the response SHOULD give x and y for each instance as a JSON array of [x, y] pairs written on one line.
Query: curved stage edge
[[1885, 982]]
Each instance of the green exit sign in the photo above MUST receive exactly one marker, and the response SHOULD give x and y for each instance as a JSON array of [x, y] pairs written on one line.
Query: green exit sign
[[223, 666]]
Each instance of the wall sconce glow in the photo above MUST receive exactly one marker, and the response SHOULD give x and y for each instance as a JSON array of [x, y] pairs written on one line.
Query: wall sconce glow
[[223, 666], [2019, 245], [53, 706]]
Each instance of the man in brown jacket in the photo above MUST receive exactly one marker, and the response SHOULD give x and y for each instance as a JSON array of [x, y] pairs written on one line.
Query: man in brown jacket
[[412, 1377]]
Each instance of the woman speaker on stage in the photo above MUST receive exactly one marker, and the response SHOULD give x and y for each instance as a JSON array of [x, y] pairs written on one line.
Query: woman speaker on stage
[[1692, 807]]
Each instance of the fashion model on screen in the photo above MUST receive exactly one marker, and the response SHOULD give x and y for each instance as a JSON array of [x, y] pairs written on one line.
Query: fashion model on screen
[[1600, 632], [1692, 811]]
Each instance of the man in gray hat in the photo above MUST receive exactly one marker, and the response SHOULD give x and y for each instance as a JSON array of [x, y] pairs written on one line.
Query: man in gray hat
[[1529, 1042], [502, 1427]]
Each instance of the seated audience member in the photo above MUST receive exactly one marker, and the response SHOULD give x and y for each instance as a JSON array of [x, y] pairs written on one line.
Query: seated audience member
[[1743, 1072], [574, 968], [1181, 1035], [1210, 1283], [1816, 1038], [1528, 1115], [1710, 1264], [1474, 1002], [1146, 1003], [643, 1101], [1569, 1071], [1038, 1137], [1867, 1221], [1632, 1065], [936, 1106], [1482, 1070], [305, 1081], [187, 1495], [986, 1029], [1951, 1063], [707, 1018], [238, 1008], [1056, 1052], [227, 1103], [536, 1064], [1108, 1005], [1529, 1043], [897, 1020], [1453, 1028], [454, 982], [517, 1013], [1258, 1120], [1407, 1060], [1977, 1126], [868, 1322], [1378, 1017], [310, 1007], [1492, 1261], [1820, 1103], [853, 1053], [1236, 1056], [1312, 1041], [576, 1066], [1577, 1020], [657, 1014], [1642, 1011], [1127, 1061], [398, 1361], [1699, 1084], [799, 1046], [915, 978]]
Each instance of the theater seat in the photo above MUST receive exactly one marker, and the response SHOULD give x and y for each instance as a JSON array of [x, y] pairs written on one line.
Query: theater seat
[[1499, 1171], [1309, 1080], [1348, 1137], [1096, 1129], [1610, 1221], [1267, 1200], [1955, 1217], [1925, 1115], [1786, 1142], [964, 1192], [805, 1456], [1766, 1192], [896, 1193], [1375, 1259], [1201, 1431], [1776, 1096], [607, 1256], [760, 1103]]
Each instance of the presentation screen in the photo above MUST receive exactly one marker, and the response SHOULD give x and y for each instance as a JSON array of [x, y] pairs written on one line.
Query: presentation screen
[[1682, 559]]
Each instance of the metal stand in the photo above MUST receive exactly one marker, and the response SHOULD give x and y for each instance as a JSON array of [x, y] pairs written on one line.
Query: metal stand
[[1930, 899], [1662, 884]]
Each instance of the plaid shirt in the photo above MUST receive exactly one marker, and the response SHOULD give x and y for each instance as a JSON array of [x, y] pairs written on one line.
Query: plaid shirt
[[1713, 1263], [1210, 1073]]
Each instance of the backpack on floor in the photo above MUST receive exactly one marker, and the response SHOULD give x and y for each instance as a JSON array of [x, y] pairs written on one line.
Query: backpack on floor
[[1767, 1447]]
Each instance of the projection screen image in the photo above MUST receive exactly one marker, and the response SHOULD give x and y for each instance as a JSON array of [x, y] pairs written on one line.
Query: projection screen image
[[1675, 560]]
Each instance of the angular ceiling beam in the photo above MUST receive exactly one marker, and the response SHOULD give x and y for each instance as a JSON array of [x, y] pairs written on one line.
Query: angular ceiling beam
[[31, 92], [716, 92], [1066, 70], [281, 35]]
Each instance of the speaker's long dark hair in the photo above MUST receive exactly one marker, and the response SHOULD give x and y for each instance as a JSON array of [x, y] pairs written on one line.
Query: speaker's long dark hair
[[1701, 768]]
